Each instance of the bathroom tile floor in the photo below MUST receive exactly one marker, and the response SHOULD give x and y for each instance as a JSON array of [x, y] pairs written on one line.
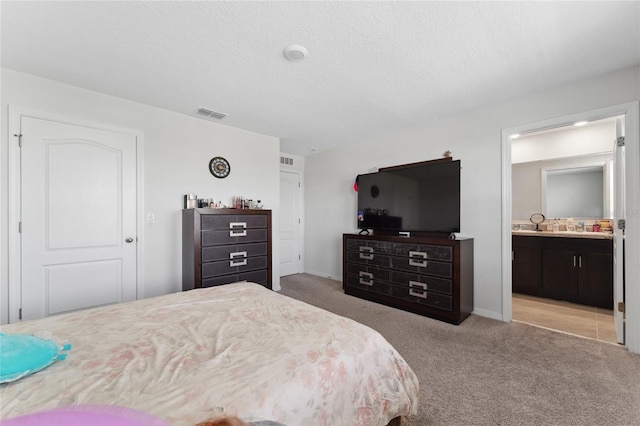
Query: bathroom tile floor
[[586, 321]]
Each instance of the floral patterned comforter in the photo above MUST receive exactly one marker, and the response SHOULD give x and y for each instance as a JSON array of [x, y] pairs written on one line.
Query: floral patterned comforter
[[239, 349]]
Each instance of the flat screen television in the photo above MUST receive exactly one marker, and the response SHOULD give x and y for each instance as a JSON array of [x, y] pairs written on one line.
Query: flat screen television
[[424, 197]]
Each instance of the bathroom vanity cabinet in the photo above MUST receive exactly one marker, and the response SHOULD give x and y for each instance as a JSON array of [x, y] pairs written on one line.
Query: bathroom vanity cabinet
[[527, 265], [578, 270]]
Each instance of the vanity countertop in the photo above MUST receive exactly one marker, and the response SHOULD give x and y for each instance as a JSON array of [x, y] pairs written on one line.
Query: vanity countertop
[[565, 234]]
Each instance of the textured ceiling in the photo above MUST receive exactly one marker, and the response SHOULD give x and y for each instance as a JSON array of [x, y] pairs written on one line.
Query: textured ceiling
[[372, 68]]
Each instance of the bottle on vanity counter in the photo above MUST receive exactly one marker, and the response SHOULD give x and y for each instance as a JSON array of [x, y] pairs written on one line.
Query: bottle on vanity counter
[[569, 224], [556, 226]]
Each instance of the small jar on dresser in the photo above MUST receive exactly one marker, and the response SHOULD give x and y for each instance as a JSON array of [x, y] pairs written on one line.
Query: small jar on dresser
[[223, 246]]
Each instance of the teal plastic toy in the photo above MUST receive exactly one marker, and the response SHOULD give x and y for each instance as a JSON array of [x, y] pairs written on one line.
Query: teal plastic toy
[[25, 354]]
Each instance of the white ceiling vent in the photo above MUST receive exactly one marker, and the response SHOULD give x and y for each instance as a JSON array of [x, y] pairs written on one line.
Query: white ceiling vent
[[286, 160], [211, 113]]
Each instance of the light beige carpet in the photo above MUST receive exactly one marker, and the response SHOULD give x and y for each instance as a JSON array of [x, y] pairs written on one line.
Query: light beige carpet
[[487, 372]]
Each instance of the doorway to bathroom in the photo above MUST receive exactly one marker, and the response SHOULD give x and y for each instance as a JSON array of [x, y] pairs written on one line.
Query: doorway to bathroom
[[559, 176], [560, 311]]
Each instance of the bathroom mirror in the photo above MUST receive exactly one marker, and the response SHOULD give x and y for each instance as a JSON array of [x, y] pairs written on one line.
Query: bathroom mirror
[[580, 186], [580, 191]]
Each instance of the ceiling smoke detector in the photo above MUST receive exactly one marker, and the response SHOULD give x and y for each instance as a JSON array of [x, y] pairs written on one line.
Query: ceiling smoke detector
[[295, 52]]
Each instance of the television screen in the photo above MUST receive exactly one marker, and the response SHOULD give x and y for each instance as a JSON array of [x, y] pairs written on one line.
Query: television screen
[[424, 197]]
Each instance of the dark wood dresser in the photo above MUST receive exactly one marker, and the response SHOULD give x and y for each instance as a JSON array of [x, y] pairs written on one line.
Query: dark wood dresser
[[424, 275], [222, 246]]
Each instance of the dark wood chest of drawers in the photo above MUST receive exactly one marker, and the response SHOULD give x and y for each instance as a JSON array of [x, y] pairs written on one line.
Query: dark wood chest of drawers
[[222, 246], [427, 276]]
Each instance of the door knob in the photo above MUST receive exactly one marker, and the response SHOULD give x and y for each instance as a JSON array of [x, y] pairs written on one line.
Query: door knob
[[128, 240]]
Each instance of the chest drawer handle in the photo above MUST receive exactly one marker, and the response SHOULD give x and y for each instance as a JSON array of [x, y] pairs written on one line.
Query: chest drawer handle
[[366, 256], [367, 249], [419, 292], [418, 284], [422, 263], [369, 275], [240, 263], [238, 253], [421, 254], [235, 232], [413, 292]]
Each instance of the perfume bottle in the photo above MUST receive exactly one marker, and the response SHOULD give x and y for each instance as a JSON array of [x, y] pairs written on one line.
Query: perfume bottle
[[570, 226]]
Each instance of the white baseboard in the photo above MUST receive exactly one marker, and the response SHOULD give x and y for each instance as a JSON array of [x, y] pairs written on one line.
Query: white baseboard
[[324, 275], [487, 314]]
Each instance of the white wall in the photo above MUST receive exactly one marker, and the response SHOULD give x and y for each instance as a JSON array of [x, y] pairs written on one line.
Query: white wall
[[570, 142], [177, 150], [473, 137]]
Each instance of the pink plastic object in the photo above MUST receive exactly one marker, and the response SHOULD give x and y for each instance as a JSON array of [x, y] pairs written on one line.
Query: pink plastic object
[[83, 415]]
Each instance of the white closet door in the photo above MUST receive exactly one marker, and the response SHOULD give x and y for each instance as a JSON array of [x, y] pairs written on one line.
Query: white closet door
[[78, 217], [289, 223]]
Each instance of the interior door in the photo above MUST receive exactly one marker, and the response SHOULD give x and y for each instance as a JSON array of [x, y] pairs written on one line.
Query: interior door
[[289, 223], [618, 234], [78, 204]]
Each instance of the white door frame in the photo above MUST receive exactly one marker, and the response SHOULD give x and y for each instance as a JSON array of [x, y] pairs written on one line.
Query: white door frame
[[632, 241], [15, 193], [618, 210]]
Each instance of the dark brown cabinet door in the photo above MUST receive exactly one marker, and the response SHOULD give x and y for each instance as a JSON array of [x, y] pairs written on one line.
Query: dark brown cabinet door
[[595, 278], [560, 274], [527, 271], [526, 265]]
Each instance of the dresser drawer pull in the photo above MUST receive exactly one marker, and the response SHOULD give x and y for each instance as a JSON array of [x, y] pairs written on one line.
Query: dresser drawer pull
[[421, 292], [422, 263], [234, 225], [421, 254], [366, 256], [240, 263], [369, 275], [418, 284], [412, 292], [238, 253]]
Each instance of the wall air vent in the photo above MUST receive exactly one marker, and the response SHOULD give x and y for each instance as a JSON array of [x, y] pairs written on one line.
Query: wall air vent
[[211, 113], [286, 160]]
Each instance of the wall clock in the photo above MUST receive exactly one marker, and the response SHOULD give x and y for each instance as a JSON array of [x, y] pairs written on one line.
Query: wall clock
[[219, 167]]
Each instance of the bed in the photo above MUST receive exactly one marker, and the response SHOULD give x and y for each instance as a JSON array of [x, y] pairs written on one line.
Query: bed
[[237, 349]]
